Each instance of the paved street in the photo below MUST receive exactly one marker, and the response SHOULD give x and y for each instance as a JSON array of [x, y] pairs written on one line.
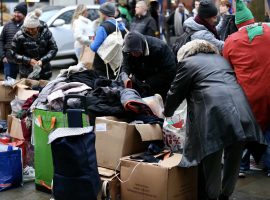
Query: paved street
[[254, 187]]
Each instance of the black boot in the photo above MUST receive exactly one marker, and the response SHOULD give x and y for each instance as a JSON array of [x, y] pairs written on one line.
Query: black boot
[[223, 197]]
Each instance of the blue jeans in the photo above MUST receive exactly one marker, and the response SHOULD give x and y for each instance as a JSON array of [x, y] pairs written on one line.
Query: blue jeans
[[245, 162], [11, 70]]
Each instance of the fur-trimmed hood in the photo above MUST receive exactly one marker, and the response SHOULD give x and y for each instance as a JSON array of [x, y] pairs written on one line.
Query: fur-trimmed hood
[[194, 47]]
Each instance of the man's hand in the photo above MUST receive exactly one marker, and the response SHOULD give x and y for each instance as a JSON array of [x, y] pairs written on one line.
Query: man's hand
[[5, 60], [33, 62]]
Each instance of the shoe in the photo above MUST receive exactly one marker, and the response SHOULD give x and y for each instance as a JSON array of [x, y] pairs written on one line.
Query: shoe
[[28, 174], [242, 174], [268, 174]]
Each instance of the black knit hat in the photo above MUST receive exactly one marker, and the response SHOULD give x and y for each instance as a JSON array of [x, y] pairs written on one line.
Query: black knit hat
[[107, 9], [207, 9], [22, 8]]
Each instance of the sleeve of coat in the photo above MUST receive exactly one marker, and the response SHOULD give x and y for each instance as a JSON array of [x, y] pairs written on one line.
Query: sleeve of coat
[[2, 41], [179, 90], [79, 35], [52, 48], [151, 27], [167, 69], [125, 66], [16, 46]]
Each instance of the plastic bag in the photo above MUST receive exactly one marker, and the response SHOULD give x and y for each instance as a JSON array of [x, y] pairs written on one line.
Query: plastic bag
[[16, 105], [174, 129], [35, 73]]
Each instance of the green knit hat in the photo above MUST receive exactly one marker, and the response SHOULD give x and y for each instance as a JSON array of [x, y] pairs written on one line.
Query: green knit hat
[[242, 14]]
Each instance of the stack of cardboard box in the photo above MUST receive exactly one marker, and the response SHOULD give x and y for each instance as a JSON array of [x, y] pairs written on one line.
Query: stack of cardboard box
[[116, 140]]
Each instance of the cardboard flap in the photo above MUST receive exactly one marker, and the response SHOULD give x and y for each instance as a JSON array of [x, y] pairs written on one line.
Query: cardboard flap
[[149, 132], [106, 172], [172, 161]]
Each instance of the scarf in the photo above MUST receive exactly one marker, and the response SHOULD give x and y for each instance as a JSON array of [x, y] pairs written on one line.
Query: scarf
[[211, 28], [178, 21]]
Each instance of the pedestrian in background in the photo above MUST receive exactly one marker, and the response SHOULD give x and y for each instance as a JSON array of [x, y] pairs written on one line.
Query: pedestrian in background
[[143, 22], [11, 69], [219, 118], [204, 24], [82, 28], [33, 47], [107, 27]]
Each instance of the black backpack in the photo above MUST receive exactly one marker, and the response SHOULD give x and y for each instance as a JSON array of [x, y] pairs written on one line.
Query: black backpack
[[182, 40]]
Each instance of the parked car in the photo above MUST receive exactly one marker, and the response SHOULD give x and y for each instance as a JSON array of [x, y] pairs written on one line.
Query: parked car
[[58, 19]]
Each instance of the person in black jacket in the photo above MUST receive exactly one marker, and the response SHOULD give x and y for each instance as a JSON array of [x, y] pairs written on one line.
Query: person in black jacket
[[33, 47], [143, 22], [219, 118], [11, 69], [149, 63]]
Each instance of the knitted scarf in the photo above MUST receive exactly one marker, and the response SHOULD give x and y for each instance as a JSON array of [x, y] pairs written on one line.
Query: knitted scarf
[[211, 28]]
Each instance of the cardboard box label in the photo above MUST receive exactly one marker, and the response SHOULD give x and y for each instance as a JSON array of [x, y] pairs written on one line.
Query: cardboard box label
[[102, 127]]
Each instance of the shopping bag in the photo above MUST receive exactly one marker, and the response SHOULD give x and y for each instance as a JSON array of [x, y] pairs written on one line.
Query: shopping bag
[[10, 167], [174, 129], [44, 122], [87, 57], [74, 157]]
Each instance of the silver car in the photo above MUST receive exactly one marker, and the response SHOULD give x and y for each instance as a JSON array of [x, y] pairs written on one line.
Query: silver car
[[58, 19]]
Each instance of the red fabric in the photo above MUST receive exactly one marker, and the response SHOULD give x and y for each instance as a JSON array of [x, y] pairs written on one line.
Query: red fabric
[[251, 21], [251, 63]]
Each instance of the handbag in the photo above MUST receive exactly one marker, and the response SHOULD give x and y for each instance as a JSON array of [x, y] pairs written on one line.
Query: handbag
[[10, 167], [87, 57], [110, 51]]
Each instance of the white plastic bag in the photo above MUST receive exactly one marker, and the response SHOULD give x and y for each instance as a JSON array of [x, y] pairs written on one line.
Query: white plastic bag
[[174, 129]]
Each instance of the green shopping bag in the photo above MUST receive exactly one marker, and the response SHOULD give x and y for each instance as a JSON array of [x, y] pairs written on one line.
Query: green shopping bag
[[44, 122]]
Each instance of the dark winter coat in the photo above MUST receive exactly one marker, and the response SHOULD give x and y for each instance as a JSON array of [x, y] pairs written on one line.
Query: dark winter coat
[[218, 111], [7, 34], [155, 68], [43, 47], [145, 25]]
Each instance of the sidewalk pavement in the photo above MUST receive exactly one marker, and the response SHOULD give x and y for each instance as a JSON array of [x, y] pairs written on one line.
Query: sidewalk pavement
[[254, 187]]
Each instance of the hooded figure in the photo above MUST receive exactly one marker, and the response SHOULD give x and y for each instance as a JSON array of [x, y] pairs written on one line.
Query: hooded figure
[[151, 63], [219, 117], [33, 47]]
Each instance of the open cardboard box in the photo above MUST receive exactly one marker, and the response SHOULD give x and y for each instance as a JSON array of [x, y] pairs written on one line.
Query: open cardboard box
[[115, 139], [23, 87], [157, 181], [113, 183], [7, 94]]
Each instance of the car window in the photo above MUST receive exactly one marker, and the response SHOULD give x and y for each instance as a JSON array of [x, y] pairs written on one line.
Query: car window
[[45, 16], [93, 14], [67, 16]]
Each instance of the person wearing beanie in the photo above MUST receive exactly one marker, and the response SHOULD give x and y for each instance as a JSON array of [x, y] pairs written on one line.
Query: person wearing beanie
[[108, 25], [150, 62], [7, 34], [252, 67], [204, 23], [143, 22], [33, 47]]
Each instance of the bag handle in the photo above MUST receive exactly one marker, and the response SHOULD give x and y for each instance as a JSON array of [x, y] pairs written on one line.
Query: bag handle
[[53, 122], [105, 192], [45, 185]]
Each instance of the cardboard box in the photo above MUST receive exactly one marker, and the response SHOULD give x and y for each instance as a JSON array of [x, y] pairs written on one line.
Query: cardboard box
[[6, 93], [113, 183], [5, 110], [16, 129], [116, 139], [23, 87], [162, 181]]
